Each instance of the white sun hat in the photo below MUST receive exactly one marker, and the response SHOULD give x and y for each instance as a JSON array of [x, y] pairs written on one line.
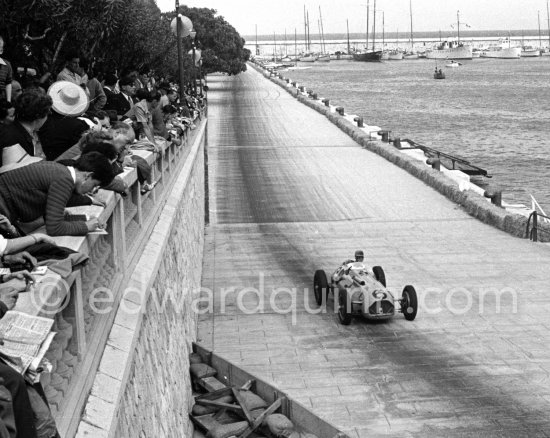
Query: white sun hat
[[68, 99]]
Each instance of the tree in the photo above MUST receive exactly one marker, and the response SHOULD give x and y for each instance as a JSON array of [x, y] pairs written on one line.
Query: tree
[[221, 45], [118, 33]]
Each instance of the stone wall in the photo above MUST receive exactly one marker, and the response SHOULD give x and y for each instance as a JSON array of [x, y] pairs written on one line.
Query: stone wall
[[142, 388]]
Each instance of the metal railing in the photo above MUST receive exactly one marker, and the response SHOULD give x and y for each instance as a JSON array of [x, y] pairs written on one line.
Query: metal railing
[[457, 163], [532, 231]]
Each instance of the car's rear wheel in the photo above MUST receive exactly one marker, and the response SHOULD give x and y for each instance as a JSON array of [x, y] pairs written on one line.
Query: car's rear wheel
[[379, 275], [320, 287], [344, 314], [409, 303]]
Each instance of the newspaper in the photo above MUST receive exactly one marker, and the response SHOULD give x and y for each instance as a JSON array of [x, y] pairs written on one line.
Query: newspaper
[[23, 337]]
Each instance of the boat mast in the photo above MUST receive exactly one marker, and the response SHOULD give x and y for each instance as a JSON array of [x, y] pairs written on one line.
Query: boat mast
[[308, 33], [286, 48], [322, 30], [347, 25], [305, 29], [295, 47], [411, 14], [383, 31], [257, 48], [320, 37], [274, 48], [540, 37], [367, 33], [458, 25], [374, 25]]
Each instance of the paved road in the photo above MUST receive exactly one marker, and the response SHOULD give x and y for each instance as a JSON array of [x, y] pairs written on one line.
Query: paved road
[[290, 193]]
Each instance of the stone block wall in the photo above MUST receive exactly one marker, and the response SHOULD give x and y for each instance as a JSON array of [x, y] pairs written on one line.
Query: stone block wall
[[156, 399], [143, 387]]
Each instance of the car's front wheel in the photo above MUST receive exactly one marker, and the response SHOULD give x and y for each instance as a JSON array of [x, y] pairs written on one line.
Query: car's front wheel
[[344, 312], [320, 287], [409, 303], [379, 275]]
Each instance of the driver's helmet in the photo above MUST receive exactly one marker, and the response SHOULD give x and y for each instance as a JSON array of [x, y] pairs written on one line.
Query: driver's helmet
[[359, 256]]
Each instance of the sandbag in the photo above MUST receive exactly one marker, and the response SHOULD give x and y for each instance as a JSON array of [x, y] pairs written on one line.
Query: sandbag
[[195, 358], [252, 401], [227, 430], [278, 423], [201, 370]]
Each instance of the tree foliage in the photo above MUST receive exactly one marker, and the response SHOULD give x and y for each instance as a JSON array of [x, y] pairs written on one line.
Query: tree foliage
[[121, 33]]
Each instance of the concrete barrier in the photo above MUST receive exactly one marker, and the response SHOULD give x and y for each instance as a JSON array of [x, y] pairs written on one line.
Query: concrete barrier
[[474, 204]]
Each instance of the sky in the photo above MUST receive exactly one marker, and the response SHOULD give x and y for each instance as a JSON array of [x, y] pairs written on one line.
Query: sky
[[278, 16]]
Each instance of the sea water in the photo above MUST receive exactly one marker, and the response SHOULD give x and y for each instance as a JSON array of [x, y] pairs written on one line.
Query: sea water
[[494, 113]]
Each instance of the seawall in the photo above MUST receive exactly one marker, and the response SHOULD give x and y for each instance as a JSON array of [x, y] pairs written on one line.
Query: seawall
[[476, 205]]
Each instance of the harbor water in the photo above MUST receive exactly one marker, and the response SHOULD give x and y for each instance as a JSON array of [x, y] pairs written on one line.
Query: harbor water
[[494, 113]]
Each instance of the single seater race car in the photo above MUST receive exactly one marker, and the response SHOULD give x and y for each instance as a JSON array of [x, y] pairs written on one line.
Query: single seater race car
[[362, 291]]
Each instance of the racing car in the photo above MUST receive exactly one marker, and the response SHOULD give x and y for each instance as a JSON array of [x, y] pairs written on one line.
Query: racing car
[[362, 291]]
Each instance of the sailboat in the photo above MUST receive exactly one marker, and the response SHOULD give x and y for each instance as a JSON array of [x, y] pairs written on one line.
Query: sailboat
[[324, 56], [411, 54], [374, 55], [451, 49]]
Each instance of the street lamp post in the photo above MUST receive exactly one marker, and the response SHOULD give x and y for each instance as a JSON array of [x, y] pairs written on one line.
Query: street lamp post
[[193, 34], [180, 57]]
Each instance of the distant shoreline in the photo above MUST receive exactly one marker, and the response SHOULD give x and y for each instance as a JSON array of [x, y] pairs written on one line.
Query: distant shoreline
[[445, 35]]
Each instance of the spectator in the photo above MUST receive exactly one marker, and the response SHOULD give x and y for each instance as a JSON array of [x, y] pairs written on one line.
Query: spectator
[[127, 91], [97, 95], [7, 113], [31, 111], [6, 74], [123, 137], [16, 89], [70, 72], [112, 93], [164, 88], [53, 184], [63, 128], [142, 111], [30, 406]]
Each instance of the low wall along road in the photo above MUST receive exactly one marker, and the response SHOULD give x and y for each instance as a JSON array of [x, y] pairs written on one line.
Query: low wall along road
[[290, 193]]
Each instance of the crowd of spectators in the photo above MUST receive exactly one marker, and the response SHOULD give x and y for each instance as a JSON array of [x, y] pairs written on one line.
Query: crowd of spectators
[[62, 137]]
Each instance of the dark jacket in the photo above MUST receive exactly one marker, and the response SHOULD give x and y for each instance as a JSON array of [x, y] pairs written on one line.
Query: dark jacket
[[13, 134], [59, 133]]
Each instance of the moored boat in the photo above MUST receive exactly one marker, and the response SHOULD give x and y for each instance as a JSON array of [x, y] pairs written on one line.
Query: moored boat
[[308, 58], [450, 50], [395, 55], [368, 56], [410, 55], [502, 50], [323, 58], [530, 52]]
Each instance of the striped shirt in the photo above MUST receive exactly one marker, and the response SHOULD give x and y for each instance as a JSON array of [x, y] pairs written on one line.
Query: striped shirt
[[40, 190]]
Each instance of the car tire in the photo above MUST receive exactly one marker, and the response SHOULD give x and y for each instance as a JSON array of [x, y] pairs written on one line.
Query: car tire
[[379, 275], [409, 303], [343, 314], [320, 287]]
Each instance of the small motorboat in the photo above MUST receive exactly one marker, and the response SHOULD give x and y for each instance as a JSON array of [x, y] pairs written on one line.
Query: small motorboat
[[453, 63], [438, 74]]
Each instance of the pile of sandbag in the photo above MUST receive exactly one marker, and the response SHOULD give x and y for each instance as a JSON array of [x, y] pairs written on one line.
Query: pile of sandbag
[[222, 411]]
